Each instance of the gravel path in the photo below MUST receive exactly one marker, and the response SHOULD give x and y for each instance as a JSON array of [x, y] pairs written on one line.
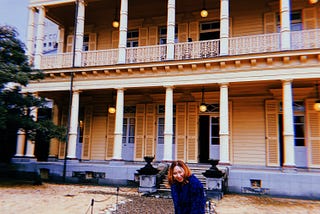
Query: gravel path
[[51, 198]]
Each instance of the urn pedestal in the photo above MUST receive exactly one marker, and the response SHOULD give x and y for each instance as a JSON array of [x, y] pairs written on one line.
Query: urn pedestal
[[148, 177]]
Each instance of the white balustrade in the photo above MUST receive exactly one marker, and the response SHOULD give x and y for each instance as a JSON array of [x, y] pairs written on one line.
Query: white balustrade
[[254, 44], [61, 60], [99, 57], [146, 54], [306, 39], [196, 50]]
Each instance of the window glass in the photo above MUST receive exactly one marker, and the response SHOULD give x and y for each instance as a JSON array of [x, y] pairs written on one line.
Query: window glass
[[295, 21], [128, 130], [85, 46], [161, 122], [133, 38], [215, 138], [299, 132], [209, 30], [163, 35]]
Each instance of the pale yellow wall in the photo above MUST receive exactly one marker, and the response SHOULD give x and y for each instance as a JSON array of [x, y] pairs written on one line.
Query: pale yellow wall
[[248, 135], [247, 17]]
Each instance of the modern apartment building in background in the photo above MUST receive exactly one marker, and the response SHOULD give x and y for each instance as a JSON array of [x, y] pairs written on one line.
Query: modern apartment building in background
[[238, 84]]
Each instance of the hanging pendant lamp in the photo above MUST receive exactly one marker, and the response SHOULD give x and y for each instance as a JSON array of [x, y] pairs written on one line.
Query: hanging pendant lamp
[[203, 106]]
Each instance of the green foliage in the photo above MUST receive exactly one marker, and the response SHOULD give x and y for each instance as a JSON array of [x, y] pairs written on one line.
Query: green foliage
[[15, 107]]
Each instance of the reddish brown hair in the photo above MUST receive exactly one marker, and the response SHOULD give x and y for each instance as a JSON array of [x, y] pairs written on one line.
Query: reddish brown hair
[[180, 163]]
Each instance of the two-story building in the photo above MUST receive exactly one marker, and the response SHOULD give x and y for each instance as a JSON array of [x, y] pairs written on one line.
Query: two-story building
[[236, 82]]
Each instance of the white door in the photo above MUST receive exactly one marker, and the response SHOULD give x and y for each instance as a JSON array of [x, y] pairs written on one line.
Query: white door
[[128, 138], [214, 138], [299, 140]]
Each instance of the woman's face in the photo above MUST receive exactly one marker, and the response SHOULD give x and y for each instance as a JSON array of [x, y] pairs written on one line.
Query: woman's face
[[178, 173]]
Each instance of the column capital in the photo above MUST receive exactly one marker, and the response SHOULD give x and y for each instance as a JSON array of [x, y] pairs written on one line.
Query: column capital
[[168, 86], [33, 9], [40, 7], [286, 80], [224, 84], [76, 91]]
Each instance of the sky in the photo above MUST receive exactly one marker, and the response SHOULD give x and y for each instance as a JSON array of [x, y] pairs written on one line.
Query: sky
[[15, 13]]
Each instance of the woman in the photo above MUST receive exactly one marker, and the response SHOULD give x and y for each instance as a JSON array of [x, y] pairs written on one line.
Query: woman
[[186, 190]]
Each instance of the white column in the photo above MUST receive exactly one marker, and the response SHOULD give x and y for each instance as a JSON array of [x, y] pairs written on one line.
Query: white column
[[288, 127], [117, 149], [224, 27], [79, 33], [40, 38], [123, 32], [73, 126], [171, 29], [224, 125], [168, 126], [21, 140], [61, 35], [31, 143], [30, 35], [285, 24]]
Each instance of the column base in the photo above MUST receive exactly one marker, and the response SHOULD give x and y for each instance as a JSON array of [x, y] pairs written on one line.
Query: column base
[[224, 164], [289, 169], [18, 159], [117, 162]]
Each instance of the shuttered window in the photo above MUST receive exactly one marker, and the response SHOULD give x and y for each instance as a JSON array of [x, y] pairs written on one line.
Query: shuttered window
[[87, 133], [145, 131], [313, 130], [272, 132]]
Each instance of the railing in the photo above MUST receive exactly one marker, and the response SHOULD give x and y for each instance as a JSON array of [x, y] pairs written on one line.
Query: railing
[[146, 54], [254, 44], [61, 60], [196, 50], [306, 39], [100, 57]]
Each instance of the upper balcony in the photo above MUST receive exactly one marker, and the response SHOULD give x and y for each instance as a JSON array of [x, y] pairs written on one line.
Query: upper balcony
[[264, 43], [254, 27]]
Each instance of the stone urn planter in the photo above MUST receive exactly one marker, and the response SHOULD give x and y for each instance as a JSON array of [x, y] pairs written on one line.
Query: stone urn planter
[[215, 180]]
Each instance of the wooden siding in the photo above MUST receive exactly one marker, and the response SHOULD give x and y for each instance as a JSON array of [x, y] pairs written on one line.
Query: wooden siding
[[104, 40], [98, 145], [248, 135], [247, 23]]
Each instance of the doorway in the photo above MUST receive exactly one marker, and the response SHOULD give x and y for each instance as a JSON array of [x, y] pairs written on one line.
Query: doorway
[[204, 138]]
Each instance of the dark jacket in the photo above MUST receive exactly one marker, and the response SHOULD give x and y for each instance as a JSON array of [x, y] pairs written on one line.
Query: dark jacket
[[188, 198]]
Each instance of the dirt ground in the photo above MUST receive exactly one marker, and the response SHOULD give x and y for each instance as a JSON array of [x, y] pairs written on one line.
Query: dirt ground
[[81, 199]]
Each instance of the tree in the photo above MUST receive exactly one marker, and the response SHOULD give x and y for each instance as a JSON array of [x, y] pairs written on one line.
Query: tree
[[16, 107]]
